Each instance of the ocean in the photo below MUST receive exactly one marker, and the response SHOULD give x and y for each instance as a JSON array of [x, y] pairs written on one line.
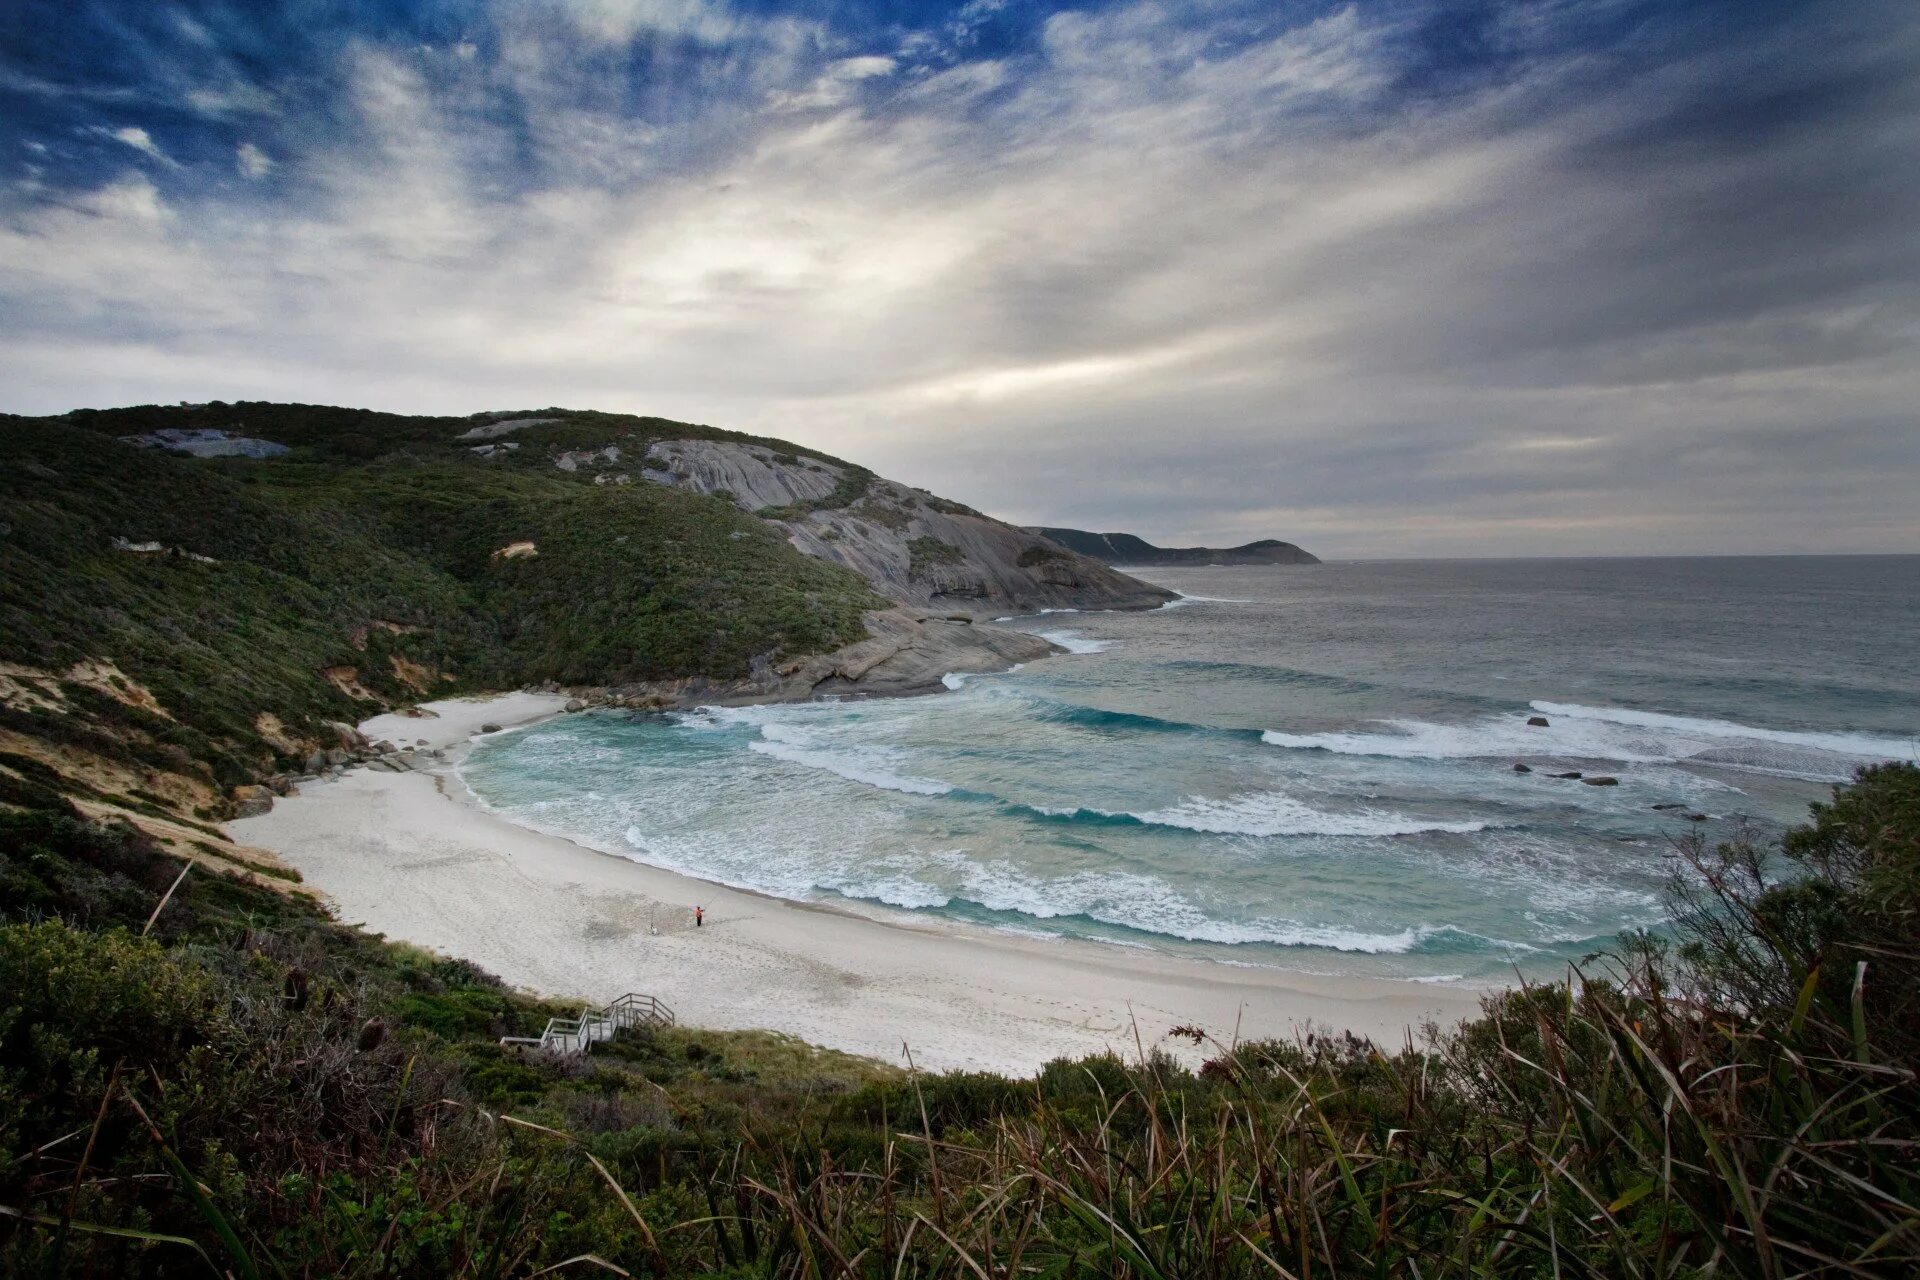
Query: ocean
[[1308, 767]]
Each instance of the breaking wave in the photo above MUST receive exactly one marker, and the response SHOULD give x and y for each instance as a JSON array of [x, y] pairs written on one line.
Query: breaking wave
[[869, 765], [1265, 814], [1615, 734], [1145, 904], [1074, 642]]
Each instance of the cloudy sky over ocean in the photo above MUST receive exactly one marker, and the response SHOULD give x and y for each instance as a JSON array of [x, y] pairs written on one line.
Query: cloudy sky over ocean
[[1392, 278]]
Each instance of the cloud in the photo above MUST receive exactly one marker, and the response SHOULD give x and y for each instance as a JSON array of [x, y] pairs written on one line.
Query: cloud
[[619, 22], [835, 86], [138, 138], [252, 161], [1542, 285]]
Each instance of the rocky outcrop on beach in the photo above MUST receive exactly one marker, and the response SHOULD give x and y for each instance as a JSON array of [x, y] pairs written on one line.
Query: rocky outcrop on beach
[[906, 653], [915, 548], [1125, 548]]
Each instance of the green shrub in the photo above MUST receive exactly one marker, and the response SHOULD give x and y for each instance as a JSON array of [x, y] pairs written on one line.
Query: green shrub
[[927, 551], [1035, 556]]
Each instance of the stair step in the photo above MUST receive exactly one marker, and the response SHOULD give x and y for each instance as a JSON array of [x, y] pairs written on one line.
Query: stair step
[[577, 1035]]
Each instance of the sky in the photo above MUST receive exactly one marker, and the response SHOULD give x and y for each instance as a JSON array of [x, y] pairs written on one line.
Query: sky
[[1405, 278]]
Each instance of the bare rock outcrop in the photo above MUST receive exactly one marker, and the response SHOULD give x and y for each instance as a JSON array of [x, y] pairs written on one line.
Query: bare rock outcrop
[[905, 653], [917, 549]]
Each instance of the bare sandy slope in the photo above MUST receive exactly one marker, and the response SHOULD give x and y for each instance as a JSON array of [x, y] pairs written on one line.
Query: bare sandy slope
[[412, 856]]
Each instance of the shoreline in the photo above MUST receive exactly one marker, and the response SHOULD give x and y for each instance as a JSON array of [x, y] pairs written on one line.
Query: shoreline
[[415, 857]]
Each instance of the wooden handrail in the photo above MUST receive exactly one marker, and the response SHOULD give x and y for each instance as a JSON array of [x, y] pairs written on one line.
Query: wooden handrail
[[577, 1035]]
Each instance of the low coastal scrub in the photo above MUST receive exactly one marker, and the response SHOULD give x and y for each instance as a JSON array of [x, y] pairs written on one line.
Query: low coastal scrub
[[850, 488], [926, 552], [236, 1085]]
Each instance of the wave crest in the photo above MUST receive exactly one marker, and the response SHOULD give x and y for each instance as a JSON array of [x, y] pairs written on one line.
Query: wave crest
[[868, 765], [1259, 813], [1074, 642], [1617, 734]]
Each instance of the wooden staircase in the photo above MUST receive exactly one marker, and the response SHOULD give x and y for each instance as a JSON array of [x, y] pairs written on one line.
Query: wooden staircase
[[577, 1035]]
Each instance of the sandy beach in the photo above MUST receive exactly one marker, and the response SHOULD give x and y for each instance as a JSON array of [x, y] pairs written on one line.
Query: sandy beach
[[413, 856]]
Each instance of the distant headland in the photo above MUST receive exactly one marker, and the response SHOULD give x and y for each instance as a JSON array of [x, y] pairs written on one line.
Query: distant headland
[[1125, 548]]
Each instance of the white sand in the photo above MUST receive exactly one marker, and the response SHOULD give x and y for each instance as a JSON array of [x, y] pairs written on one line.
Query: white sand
[[413, 857]]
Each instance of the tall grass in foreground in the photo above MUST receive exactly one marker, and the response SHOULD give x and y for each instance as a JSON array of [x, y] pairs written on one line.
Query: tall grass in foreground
[[1743, 1104]]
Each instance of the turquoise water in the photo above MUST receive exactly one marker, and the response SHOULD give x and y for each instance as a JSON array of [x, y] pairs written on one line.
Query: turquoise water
[[1308, 767]]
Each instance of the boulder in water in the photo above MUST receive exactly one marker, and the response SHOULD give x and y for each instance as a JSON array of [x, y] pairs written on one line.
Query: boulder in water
[[1521, 768], [489, 727], [1601, 782], [1537, 722], [1574, 774]]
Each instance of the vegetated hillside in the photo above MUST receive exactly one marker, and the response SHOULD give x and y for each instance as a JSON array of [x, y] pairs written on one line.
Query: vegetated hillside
[[236, 1085], [194, 598], [1125, 548]]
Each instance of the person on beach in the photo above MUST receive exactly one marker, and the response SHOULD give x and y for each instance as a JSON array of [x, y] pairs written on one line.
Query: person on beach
[[699, 917]]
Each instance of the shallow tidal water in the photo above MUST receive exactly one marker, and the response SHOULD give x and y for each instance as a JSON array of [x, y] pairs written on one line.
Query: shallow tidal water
[[1309, 767]]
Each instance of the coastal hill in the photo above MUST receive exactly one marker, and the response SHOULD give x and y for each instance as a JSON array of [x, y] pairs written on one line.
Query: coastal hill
[[199, 600], [1126, 549]]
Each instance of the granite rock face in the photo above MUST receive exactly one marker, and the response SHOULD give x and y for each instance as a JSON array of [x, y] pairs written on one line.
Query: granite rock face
[[207, 442], [505, 427], [916, 549]]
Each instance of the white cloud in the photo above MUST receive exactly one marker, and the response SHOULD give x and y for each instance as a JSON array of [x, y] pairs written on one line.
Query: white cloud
[[622, 21], [834, 87], [232, 99], [140, 140], [252, 161]]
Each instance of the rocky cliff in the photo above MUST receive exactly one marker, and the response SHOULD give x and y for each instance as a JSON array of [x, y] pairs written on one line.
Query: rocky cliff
[[1125, 548], [915, 548]]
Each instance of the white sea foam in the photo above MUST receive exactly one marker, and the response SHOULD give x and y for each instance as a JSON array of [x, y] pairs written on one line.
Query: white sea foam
[[1864, 746], [865, 764], [1148, 904], [1074, 642], [1612, 734], [1270, 813], [954, 679]]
